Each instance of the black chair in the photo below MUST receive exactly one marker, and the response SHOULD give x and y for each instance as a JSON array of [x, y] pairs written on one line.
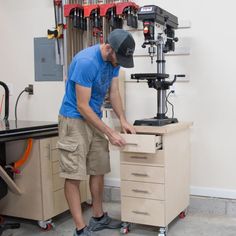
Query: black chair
[[3, 193], [3, 185]]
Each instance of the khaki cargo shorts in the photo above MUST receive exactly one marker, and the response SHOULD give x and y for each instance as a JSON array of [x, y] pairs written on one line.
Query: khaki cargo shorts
[[83, 149]]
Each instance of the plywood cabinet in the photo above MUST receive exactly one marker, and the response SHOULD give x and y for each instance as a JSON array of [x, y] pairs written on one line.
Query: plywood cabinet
[[42, 189], [155, 167]]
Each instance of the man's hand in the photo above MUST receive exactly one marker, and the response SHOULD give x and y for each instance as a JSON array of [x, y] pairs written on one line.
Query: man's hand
[[115, 139], [127, 127]]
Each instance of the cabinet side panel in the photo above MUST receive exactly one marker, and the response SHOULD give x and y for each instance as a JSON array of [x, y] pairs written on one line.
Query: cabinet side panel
[[177, 172], [29, 204]]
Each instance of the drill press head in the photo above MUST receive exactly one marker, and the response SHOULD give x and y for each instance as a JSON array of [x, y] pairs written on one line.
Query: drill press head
[[152, 15]]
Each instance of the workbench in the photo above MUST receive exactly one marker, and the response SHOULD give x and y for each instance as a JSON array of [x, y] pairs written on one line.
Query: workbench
[[37, 192]]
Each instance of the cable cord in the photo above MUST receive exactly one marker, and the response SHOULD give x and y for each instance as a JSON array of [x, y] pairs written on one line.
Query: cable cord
[[17, 100], [172, 106], [25, 156]]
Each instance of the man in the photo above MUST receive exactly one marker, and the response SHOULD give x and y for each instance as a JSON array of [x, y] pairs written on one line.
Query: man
[[82, 142]]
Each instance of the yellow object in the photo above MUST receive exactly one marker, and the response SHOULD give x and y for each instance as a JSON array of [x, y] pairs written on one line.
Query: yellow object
[[57, 33]]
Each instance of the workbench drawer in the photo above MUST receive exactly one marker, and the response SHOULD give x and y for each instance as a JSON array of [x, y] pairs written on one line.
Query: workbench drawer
[[141, 143], [143, 211], [146, 174], [156, 159], [143, 190]]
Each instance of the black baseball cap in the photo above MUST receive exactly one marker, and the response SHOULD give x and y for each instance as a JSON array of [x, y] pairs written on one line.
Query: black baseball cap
[[123, 44]]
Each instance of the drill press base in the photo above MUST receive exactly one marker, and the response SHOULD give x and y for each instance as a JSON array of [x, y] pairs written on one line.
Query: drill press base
[[155, 122]]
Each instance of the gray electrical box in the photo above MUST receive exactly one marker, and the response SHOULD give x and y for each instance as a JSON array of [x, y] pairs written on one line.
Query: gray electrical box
[[46, 68]]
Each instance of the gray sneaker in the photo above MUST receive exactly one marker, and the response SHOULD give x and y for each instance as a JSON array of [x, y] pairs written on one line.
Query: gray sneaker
[[86, 232], [105, 223]]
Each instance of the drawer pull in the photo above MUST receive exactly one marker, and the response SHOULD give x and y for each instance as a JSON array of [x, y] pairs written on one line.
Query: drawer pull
[[139, 191], [140, 175], [140, 213], [136, 157], [135, 144]]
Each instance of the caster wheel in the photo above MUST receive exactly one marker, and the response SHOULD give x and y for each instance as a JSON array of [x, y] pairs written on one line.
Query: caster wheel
[[162, 232], [46, 225], [182, 215], [125, 228]]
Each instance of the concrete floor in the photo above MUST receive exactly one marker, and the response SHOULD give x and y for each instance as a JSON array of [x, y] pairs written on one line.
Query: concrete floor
[[191, 225]]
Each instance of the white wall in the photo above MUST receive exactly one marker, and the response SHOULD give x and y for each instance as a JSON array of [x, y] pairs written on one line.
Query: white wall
[[208, 99], [21, 21]]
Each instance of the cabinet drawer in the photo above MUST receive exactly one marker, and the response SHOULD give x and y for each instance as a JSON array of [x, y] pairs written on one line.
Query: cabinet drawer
[[140, 143], [143, 158], [58, 182], [143, 190], [142, 173], [143, 211]]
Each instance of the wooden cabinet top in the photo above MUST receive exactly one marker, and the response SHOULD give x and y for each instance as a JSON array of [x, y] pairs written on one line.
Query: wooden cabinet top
[[163, 129]]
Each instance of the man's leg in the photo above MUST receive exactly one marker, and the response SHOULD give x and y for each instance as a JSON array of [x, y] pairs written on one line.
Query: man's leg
[[96, 183], [100, 219], [72, 194]]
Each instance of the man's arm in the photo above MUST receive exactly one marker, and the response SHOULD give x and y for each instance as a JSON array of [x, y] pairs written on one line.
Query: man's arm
[[83, 95], [118, 108]]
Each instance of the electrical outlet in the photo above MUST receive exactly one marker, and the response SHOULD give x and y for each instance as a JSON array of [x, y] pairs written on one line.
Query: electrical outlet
[[31, 89], [172, 90]]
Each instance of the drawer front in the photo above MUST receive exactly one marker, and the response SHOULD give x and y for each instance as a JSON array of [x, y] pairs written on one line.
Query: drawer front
[[58, 182], [140, 143], [56, 167], [143, 158], [60, 203], [143, 190], [143, 211], [147, 174]]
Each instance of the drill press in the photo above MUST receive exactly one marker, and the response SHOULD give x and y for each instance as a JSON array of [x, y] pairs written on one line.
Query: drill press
[[160, 44]]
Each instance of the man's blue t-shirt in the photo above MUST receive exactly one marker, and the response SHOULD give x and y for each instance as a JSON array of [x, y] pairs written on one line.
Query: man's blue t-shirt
[[88, 69]]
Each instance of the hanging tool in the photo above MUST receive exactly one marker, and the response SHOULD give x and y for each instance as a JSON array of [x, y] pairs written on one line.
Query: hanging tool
[[94, 26], [107, 12], [128, 10], [75, 26], [58, 32]]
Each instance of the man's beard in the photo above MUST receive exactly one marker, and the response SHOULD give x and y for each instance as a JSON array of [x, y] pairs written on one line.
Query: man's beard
[[111, 59]]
